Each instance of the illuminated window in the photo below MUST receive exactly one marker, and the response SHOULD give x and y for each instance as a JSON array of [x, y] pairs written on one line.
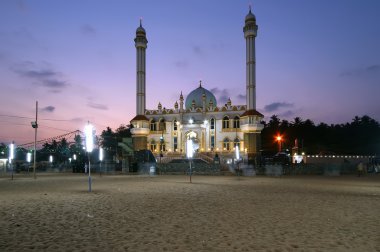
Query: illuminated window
[[237, 143], [153, 146], [226, 144], [175, 143]]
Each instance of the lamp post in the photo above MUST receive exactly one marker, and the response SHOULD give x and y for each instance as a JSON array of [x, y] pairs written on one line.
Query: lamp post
[[89, 133], [279, 139], [11, 155], [51, 161], [28, 159], [237, 156], [100, 159], [161, 144], [189, 153], [35, 126]]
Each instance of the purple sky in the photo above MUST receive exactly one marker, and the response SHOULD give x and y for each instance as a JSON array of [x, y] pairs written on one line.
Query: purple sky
[[318, 60]]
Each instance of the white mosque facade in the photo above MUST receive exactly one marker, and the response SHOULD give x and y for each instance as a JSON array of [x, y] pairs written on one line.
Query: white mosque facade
[[213, 128]]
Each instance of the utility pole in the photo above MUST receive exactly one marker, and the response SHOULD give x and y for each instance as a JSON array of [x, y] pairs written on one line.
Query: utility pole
[[35, 126]]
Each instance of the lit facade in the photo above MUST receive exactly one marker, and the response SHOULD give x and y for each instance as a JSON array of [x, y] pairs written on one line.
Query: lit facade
[[213, 128]]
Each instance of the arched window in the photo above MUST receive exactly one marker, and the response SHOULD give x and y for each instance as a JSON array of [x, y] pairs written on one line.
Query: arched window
[[175, 145], [175, 126], [153, 146], [226, 122], [212, 123], [153, 125], [226, 144], [162, 125], [236, 122]]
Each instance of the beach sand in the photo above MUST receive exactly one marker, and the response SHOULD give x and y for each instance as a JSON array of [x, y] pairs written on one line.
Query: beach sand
[[56, 212]]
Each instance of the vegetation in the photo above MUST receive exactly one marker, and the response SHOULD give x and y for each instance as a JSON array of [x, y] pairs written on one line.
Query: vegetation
[[360, 137]]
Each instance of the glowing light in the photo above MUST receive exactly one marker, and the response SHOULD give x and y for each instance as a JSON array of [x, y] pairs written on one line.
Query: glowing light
[[189, 148], [70, 159], [11, 151], [89, 133], [51, 159], [28, 157], [237, 152], [75, 157], [191, 121], [100, 154]]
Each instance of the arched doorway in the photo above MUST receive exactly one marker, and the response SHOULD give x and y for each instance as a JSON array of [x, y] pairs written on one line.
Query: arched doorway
[[193, 136]]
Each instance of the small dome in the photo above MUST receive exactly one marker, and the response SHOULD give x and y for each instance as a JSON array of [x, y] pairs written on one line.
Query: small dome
[[250, 17], [196, 97], [140, 29]]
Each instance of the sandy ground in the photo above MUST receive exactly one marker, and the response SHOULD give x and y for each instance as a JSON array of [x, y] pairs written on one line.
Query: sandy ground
[[166, 213]]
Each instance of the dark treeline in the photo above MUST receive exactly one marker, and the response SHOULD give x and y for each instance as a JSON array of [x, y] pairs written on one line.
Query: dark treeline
[[360, 137]]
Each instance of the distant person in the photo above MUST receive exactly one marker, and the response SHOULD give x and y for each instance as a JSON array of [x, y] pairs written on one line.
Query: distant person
[[360, 169]]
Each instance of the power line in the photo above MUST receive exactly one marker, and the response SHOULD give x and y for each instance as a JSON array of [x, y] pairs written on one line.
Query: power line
[[31, 118]]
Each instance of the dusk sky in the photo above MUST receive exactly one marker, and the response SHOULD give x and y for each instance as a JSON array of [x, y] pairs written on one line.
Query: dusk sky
[[317, 60]]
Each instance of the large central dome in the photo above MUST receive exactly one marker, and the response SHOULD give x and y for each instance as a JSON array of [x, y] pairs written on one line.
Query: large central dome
[[196, 97]]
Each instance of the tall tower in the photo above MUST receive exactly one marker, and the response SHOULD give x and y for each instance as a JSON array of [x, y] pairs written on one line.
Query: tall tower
[[141, 45], [250, 33], [140, 122], [250, 120]]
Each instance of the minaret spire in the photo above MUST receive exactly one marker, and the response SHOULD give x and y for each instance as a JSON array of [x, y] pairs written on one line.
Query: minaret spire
[[250, 33], [141, 45]]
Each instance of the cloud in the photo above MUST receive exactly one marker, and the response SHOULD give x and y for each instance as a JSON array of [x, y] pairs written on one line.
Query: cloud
[[42, 76], [56, 84], [22, 6], [275, 106], [44, 73], [48, 109], [372, 69], [78, 119], [97, 105], [88, 30], [221, 95], [241, 97], [198, 50], [181, 64]]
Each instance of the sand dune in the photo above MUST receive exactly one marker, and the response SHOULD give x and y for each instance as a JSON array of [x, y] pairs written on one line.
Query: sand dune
[[167, 213]]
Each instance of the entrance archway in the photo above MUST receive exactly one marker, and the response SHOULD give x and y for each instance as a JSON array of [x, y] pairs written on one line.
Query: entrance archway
[[193, 136]]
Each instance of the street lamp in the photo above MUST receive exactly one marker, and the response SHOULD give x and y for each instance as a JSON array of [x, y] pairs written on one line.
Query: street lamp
[[89, 134], [189, 153], [28, 159], [279, 139], [100, 159], [35, 126], [11, 155]]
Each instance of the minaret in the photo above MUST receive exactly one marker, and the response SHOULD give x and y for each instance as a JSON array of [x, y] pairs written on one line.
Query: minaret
[[140, 122], [250, 119], [141, 45], [250, 33]]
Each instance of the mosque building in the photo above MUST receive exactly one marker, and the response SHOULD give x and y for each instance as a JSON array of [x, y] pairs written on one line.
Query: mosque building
[[213, 127]]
